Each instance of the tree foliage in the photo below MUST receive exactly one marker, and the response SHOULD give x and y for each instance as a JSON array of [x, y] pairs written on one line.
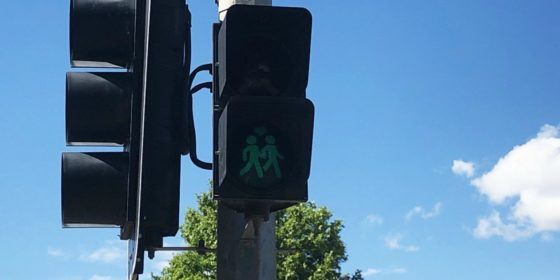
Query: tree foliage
[[200, 224], [315, 240], [307, 234], [356, 276]]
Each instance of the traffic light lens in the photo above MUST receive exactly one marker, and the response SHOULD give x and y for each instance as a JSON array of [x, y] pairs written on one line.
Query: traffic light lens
[[263, 155], [98, 108], [101, 33], [94, 189], [265, 70]]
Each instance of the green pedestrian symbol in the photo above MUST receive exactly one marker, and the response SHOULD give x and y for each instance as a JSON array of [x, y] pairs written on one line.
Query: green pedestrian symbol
[[271, 154], [251, 155]]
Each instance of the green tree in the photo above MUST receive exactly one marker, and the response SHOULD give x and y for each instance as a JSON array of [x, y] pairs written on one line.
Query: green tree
[[200, 224], [356, 276], [315, 240], [310, 238]]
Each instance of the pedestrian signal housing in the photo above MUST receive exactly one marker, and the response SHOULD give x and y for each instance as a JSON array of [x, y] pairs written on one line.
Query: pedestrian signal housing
[[264, 123]]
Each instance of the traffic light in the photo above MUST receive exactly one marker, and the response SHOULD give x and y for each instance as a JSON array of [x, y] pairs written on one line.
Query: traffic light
[[97, 188], [141, 108], [264, 122]]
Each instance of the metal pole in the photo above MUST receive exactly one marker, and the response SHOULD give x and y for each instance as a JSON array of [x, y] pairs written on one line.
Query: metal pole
[[246, 248], [223, 5]]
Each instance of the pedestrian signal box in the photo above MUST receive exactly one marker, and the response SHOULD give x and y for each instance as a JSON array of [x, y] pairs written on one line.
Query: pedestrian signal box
[[264, 123], [265, 148]]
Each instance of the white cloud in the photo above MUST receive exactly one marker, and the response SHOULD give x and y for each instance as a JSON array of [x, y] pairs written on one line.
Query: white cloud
[[55, 252], [371, 272], [393, 242], [494, 226], [528, 177], [97, 277], [463, 168], [419, 211], [398, 270], [112, 252], [374, 219], [162, 258], [547, 236]]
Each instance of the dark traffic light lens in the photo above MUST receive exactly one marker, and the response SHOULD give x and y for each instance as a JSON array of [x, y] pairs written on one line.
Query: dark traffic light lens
[[265, 69], [102, 33], [94, 189], [98, 108]]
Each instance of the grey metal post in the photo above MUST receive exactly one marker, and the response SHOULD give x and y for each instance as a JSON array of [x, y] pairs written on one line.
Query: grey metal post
[[246, 248]]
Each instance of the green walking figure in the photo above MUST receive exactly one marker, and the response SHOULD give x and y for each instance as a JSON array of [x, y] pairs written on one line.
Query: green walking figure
[[270, 152], [251, 155]]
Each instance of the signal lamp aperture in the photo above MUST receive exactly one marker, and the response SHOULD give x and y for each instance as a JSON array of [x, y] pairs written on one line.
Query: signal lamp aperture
[[102, 33], [94, 189], [98, 108]]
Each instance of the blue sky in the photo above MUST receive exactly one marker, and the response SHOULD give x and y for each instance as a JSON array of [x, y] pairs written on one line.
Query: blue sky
[[436, 141]]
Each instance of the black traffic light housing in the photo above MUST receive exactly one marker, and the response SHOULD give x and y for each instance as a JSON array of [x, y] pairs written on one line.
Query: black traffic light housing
[[282, 128], [101, 109], [141, 108], [264, 122], [264, 51]]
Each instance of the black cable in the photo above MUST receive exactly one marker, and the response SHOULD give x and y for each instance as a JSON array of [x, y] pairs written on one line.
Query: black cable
[[194, 157], [203, 67], [192, 141], [186, 125], [198, 87]]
